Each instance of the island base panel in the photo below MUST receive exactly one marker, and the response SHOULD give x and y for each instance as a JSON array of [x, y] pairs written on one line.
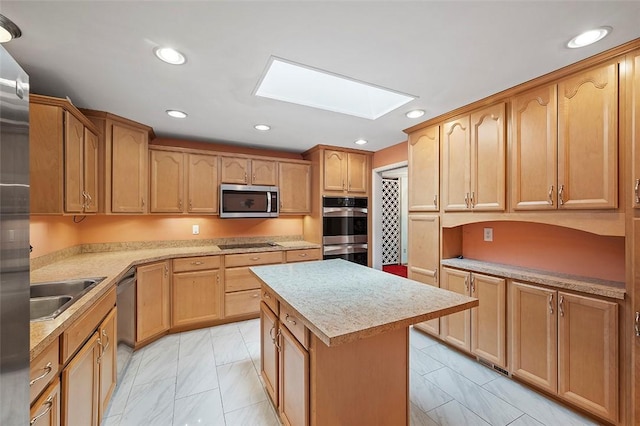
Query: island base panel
[[363, 382]]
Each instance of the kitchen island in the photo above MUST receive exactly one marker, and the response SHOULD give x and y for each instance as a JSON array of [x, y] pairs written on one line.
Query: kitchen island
[[335, 340]]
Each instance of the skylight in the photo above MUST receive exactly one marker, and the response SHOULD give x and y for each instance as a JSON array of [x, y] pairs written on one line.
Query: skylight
[[303, 85]]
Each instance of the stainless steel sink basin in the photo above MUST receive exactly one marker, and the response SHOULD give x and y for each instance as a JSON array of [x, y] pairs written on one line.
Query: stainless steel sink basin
[[50, 299], [49, 307]]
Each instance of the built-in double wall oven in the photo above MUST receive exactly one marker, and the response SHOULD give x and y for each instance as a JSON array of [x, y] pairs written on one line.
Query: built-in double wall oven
[[344, 229]]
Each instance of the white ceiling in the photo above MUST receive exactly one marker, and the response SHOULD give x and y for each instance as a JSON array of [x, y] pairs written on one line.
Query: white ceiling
[[449, 53]]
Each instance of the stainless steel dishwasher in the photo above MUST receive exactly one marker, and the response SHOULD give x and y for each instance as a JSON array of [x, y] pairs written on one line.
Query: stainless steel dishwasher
[[126, 303]]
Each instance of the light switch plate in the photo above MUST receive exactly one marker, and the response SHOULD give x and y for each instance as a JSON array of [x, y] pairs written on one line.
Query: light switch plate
[[488, 234], [196, 229]]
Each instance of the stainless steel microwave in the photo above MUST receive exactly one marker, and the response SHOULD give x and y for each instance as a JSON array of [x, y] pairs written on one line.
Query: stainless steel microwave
[[249, 201]]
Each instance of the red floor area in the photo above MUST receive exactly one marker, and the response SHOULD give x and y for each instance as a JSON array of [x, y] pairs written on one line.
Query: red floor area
[[396, 270]]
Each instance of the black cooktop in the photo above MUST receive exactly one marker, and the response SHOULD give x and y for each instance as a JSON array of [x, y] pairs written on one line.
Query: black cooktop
[[246, 245]]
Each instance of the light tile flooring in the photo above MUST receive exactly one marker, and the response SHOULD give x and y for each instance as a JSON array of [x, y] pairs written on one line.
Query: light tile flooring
[[211, 377]]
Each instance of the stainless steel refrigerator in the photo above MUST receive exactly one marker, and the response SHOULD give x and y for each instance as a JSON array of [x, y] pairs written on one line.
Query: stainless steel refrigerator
[[14, 242]]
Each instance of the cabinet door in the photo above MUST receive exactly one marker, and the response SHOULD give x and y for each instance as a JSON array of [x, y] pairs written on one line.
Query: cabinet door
[[488, 320], [335, 170], [46, 410], [456, 328], [196, 297], [358, 172], [455, 165], [588, 139], [534, 160], [80, 386], [269, 362], [295, 187], [167, 182], [424, 169], [202, 183], [107, 360], [129, 169], [534, 335], [152, 300], [235, 170], [633, 110], [424, 258], [46, 158], [294, 380], [588, 353], [488, 184], [264, 172], [91, 181], [73, 164]]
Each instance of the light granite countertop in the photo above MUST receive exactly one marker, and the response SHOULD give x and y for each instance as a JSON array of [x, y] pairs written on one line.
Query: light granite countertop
[[341, 301], [612, 289], [113, 265]]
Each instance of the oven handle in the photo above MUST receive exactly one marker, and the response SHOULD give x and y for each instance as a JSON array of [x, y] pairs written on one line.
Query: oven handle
[[345, 249], [344, 212]]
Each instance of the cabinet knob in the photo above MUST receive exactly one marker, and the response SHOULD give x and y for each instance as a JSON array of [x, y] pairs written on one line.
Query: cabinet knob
[[197, 262], [266, 295], [286, 318], [302, 254], [255, 258]]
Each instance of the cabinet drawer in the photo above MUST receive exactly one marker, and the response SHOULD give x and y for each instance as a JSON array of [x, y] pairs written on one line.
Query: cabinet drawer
[[251, 259], [46, 410], [196, 263], [303, 255], [81, 329], [290, 320], [242, 303], [236, 279], [43, 369], [270, 299]]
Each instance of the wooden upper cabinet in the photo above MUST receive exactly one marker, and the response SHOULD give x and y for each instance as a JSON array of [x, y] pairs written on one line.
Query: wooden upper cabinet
[[335, 170], [294, 182], [248, 171], [129, 169], [534, 161], [588, 139], [202, 183], [633, 113], [63, 158], [488, 147], [456, 157], [357, 172], [166, 181], [424, 169]]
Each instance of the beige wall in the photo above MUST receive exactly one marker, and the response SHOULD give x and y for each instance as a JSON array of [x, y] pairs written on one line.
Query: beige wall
[[391, 155]]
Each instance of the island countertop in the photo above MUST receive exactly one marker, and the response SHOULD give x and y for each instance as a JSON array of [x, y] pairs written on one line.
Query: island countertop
[[340, 301]]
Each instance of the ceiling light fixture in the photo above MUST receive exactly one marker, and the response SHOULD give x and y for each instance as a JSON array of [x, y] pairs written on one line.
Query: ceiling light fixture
[[304, 85], [415, 113], [176, 114], [361, 141], [169, 55], [588, 37], [8, 30], [262, 127]]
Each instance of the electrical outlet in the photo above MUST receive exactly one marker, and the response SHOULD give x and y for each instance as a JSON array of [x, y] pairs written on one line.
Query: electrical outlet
[[196, 229], [488, 234]]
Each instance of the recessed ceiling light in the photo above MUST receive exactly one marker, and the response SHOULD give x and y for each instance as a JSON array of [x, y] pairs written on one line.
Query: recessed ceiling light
[[262, 127], [416, 113], [303, 85], [176, 114], [361, 141], [8, 30], [169, 55], [588, 37]]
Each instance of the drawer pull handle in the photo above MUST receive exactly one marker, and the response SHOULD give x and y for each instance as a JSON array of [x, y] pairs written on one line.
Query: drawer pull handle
[[286, 318], [551, 304], [266, 295], [636, 190], [277, 341], [561, 306], [197, 262], [255, 258], [302, 254], [47, 369], [255, 295], [49, 403], [561, 195], [106, 336], [551, 195]]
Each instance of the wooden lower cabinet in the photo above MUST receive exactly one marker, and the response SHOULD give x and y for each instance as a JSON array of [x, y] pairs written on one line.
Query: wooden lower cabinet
[[568, 345], [107, 359], [153, 299], [46, 410], [196, 295], [294, 380], [80, 379], [481, 331], [269, 362]]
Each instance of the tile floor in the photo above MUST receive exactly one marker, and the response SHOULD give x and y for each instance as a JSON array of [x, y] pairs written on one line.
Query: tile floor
[[210, 377]]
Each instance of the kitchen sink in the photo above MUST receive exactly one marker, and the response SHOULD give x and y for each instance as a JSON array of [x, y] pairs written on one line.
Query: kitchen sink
[[50, 299], [42, 308]]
